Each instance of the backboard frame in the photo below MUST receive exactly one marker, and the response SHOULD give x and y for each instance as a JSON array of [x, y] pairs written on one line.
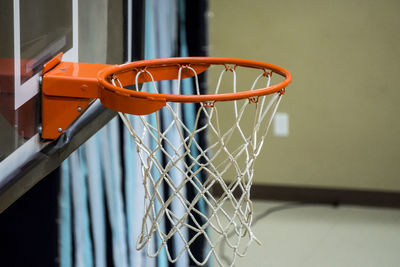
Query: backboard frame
[[28, 89]]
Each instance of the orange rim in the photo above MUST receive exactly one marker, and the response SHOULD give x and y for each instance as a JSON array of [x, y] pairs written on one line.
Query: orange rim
[[104, 78]]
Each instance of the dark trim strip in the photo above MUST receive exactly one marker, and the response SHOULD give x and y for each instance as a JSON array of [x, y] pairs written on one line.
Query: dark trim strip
[[335, 196]]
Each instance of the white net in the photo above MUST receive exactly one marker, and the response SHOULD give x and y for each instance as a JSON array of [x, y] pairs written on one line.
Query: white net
[[173, 158]]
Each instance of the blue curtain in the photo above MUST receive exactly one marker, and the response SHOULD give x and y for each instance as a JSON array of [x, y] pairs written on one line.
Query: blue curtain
[[101, 196]]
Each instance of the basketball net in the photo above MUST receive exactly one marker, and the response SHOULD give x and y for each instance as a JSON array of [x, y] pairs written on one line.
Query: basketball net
[[227, 164]]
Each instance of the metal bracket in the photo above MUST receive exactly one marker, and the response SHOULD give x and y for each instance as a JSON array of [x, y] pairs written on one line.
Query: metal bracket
[[67, 90]]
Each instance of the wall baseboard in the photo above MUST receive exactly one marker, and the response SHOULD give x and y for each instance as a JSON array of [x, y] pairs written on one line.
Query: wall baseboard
[[336, 196]]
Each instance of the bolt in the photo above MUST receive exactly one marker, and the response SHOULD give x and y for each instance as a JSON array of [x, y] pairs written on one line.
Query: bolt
[[79, 109], [84, 87], [59, 130], [40, 82]]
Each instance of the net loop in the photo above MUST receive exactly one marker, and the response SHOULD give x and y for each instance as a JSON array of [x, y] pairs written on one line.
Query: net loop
[[140, 72], [115, 78]]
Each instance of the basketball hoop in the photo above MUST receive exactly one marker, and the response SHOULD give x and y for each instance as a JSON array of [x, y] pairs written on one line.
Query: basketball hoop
[[230, 155]]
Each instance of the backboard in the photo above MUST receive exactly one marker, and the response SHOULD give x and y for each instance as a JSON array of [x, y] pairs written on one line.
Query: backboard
[[33, 32], [29, 41]]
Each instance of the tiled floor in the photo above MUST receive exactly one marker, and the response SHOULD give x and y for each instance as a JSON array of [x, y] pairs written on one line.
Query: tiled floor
[[321, 235]]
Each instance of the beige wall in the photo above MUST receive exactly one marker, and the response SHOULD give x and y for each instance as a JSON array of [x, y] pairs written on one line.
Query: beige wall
[[101, 31], [343, 104]]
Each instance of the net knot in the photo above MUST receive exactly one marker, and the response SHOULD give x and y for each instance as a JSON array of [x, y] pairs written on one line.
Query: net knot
[[230, 68], [253, 99], [141, 69], [209, 104], [184, 66], [267, 73]]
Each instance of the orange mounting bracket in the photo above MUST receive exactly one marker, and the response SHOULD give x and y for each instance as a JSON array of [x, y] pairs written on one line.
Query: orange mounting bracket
[[67, 90]]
